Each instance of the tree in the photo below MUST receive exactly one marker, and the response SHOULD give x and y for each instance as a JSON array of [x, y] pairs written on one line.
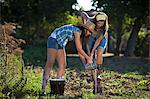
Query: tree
[[117, 9], [139, 11], [31, 14], [133, 36]]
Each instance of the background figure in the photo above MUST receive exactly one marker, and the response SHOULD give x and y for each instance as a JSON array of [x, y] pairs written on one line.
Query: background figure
[[97, 42], [56, 49]]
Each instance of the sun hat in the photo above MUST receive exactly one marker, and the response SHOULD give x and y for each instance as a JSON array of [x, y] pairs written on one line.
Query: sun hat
[[89, 25], [101, 16]]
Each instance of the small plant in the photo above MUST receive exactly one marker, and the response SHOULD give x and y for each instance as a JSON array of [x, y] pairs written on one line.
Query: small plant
[[143, 82], [11, 69]]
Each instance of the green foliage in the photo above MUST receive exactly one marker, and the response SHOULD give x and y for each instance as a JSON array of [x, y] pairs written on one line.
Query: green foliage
[[143, 82], [33, 84], [37, 18], [72, 19], [127, 27], [142, 47], [87, 96], [10, 73]]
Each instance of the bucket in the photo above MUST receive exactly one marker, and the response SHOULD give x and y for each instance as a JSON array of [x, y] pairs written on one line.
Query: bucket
[[57, 86]]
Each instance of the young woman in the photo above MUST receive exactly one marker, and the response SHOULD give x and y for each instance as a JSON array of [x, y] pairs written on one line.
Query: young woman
[[97, 41], [56, 49]]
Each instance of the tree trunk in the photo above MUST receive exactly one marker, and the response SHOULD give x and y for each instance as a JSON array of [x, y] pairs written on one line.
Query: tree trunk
[[119, 30], [132, 39]]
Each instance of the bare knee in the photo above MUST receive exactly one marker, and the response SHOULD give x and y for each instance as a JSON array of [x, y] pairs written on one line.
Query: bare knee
[[99, 60]]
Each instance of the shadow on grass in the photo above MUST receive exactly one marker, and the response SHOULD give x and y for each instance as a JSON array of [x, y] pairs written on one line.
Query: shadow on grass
[[117, 64], [127, 64]]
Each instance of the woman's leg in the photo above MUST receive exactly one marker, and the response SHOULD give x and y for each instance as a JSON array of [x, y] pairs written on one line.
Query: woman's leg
[[96, 72], [51, 55], [99, 59], [61, 59]]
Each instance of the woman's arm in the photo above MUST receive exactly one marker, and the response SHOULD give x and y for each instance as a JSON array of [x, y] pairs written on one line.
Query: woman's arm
[[106, 35], [79, 48]]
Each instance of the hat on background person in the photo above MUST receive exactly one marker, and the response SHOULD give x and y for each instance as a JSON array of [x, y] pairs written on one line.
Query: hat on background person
[[101, 16]]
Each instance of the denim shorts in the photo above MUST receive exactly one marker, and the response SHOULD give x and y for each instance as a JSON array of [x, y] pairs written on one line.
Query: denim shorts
[[52, 43], [92, 41]]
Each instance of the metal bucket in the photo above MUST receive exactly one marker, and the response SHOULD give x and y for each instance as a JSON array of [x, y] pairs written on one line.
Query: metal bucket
[[57, 86]]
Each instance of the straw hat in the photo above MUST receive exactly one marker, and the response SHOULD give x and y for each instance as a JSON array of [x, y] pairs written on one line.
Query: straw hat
[[101, 16], [89, 25]]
